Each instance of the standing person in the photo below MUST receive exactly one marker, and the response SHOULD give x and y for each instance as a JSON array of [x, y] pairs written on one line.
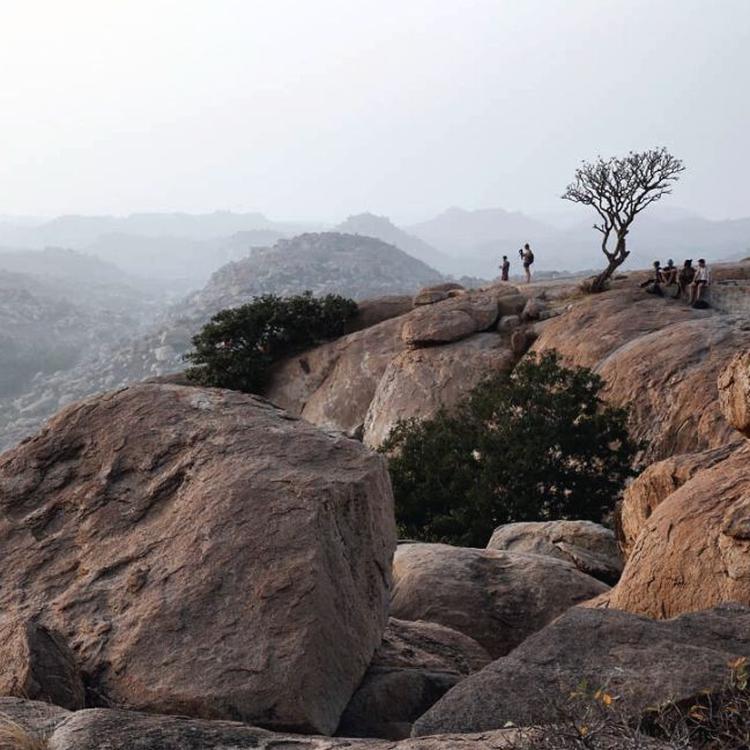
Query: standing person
[[701, 280], [527, 256], [684, 278], [504, 268]]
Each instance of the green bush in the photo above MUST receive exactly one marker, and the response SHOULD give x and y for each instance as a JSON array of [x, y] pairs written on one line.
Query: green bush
[[535, 445], [238, 346]]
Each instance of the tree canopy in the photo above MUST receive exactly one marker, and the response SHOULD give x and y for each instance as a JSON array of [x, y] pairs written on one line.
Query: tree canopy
[[237, 347], [535, 445], [618, 189]]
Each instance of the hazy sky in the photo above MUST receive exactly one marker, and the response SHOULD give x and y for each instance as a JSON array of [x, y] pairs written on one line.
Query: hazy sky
[[317, 109]]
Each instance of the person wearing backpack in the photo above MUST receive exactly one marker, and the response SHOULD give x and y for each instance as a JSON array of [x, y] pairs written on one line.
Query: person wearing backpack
[[527, 256]]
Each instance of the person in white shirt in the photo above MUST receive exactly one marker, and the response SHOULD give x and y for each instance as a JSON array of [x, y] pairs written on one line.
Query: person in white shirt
[[701, 280]]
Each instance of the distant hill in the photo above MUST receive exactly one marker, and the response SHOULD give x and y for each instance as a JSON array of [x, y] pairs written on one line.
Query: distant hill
[[477, 239], [326, 262], [85, 280], [78, 231], [459, 231], [382, 228]]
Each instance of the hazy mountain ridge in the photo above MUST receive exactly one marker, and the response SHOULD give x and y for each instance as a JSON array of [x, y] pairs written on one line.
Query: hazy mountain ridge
[[352, 265]]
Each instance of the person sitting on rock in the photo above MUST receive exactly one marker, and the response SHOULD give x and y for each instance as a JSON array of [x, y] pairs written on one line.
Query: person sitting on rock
[[527, 256], [504, 268], [653, 284], [669, 273], [685, 278], [701, 280]]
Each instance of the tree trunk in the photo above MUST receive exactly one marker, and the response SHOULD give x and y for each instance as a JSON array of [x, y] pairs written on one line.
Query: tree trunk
[[599, 284]]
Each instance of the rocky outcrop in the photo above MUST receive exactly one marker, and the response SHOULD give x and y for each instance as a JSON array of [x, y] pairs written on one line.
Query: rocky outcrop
[[640, 661], [363, 383], [452, 320], [416, 383], [588, 546], [734, 392], [38, 665], [157, 526], [95, 729], [370, 312], [496, 598], [333, 385], [658, 357], [328, 262], [694, 550], [416, 664], [655, 484]]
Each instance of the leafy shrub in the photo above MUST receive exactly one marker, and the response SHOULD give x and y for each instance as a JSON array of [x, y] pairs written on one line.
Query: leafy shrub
[[238, 346], [538, 444]]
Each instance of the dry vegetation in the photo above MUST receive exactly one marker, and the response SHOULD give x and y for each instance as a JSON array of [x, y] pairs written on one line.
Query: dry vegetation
[[15, 737], [593, 720]]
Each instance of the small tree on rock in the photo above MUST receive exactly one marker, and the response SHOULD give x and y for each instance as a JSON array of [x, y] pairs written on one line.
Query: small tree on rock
[[536, 445], [237, 347], [618, 189]]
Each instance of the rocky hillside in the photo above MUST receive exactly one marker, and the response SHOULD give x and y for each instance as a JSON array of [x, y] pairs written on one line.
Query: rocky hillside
[[357, 266], [382, 228], [148, 530], [65, 356]]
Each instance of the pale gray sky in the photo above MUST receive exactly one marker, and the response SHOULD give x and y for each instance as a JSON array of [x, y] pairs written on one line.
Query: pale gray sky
[[319, 108]]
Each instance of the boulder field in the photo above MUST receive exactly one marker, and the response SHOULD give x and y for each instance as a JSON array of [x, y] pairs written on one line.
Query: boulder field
[[37, 725], [200, 552], [497, 598], [196, 569], [407, 366], [640, 661]]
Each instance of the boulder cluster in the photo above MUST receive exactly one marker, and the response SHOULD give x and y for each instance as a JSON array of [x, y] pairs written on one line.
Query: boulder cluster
[[197, 569]]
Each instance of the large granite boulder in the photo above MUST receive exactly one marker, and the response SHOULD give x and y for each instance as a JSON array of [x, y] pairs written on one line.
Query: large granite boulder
[[694, 550], [418, 382], [37, 664], [370, 312], [332, 385], [657, 482], [658, 357], [416, 664], [592, 548], [641, 661], [110, 729], [451, 320], [202, 553], [497, 598], [734, 392]]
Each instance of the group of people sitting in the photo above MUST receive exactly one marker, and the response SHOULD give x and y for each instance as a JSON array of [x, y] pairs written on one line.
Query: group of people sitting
[[689, 280]]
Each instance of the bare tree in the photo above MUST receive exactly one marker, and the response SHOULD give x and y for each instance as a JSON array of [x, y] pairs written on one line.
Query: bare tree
[[619, 188]]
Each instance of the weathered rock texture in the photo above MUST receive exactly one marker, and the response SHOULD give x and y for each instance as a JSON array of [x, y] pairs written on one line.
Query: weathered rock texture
[[694, 550], [415, 665], [38, 665], [657, 356], [96, 729], [418, 382], [655, 484], [408, 366], [497, 598], [734, 392], [641, 661], [202, 553], [452, 320], [592, 548]]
